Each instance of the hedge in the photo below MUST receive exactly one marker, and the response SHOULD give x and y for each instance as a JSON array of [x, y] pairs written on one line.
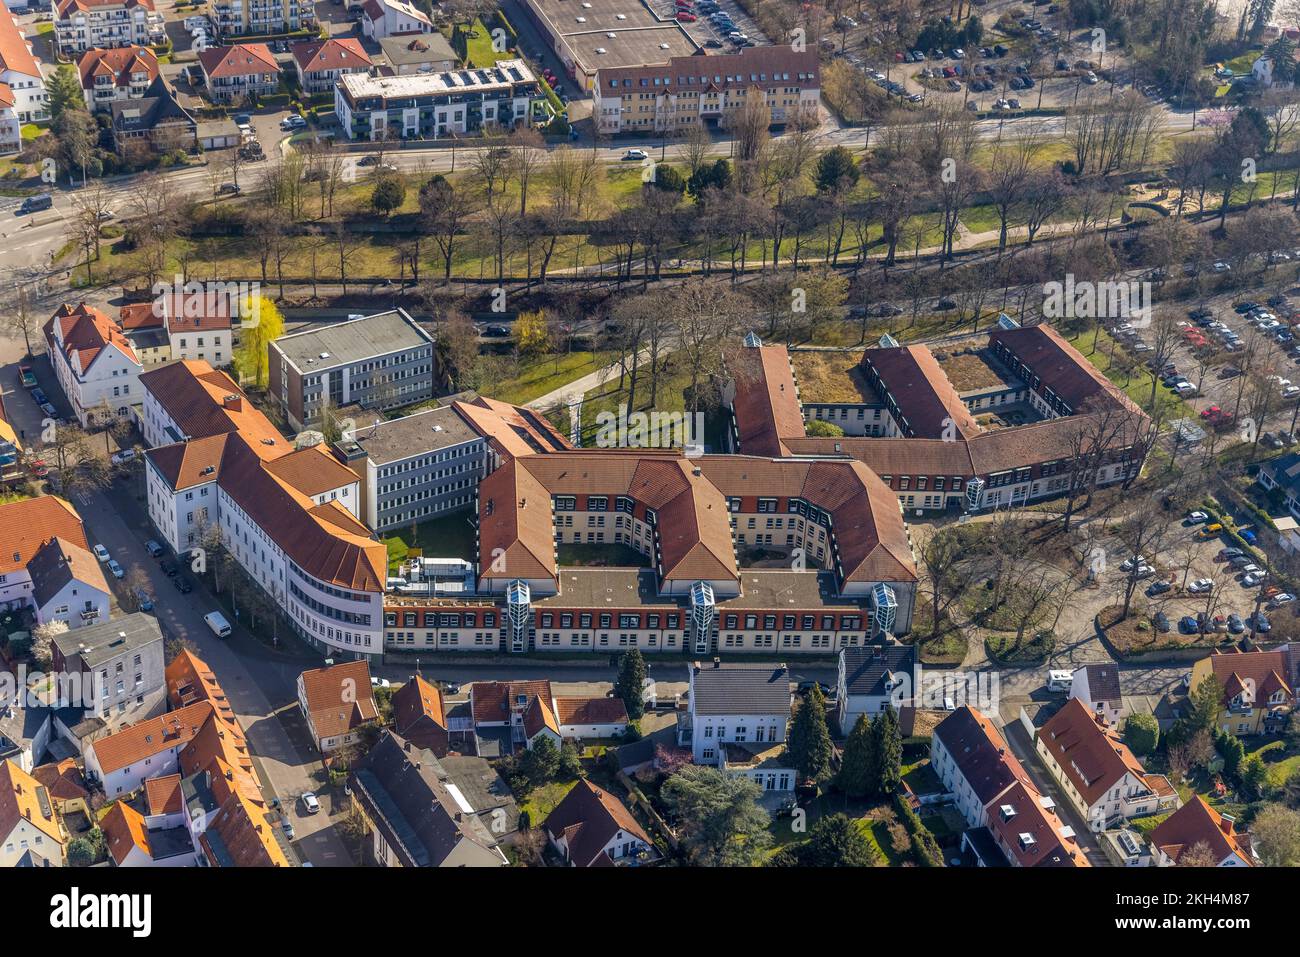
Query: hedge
[[924, 847]]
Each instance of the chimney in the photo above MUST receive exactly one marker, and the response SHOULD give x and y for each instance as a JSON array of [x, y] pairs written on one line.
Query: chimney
[[232, 402]]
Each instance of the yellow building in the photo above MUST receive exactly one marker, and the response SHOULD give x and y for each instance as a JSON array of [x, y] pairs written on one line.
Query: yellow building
[[1257, 692]]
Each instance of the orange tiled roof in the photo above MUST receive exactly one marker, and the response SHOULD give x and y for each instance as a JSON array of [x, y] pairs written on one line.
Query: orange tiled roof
[[151, 736], [27, 524], [1198, 823], [339, 697], [19, 799], [163, 794]]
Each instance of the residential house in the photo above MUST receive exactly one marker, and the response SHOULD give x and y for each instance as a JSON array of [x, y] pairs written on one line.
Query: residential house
[[153, 124], [407, 53], [22, 87], [114, 669], [239, 835], [120, 763], [81, 25], [591, 717], [1257, 691], [321, 62], [30, 830], [386, 18], [418, 716], [68, 585], [336, 701], [592, 828], [154, 840], [1283, 475], [415, 818], [1097, 686], [120, 73], [511, 714], [236, 74], [94, 363], [1010, 822], [182, 325], [1099, 774], [1196, 824], [233, 18], [66, 786], [737, 718], [29, 527], [871, 677]]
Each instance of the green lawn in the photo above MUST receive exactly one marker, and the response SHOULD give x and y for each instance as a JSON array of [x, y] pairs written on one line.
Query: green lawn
[[542, 801], [595, 555], [478, 49], [451, 536], [539, 375], [1281, 763]]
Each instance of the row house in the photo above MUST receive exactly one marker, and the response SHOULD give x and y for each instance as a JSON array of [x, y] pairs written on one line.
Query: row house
[[180, 325], [428, 105], [94, 363], [261, 17], [81, 25], [696, 91], [1099, 774], [22, 87], [1009, 822], [46, 564]]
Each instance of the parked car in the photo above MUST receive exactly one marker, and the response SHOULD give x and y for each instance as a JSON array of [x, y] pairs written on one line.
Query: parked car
[[101, 553], [1200, 586], [123, 456], [309, 802], [1235, 625], [636, 155], [117, 571], [1161, 621], [182, 584], [153, 548]]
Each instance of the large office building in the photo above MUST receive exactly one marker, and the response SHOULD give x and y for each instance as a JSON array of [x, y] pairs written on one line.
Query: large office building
[[428, 105], [377, 362], [608, 34], [287, 515], [689, 91]]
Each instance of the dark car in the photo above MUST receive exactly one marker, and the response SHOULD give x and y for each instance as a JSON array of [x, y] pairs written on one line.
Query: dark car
[[946, 303], [1159, 588], [1260, 623], [182, 584], [1235, 624], [168, 568], [1187, 625], [1161, 621], [713, 44], [153, 548], [885, 309], [496, 331]]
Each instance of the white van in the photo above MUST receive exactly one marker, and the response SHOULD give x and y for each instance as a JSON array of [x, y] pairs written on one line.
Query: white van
[[1060, 680], [217, 622]]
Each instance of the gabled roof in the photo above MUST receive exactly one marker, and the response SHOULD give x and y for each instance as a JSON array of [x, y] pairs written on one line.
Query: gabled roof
[[85, 332], [15, 53], [418, 713], [339, 697], [590, 711], [151, 736], [1103, 682], [68, 7], [63, 779], [242, 59], [28, 524], [22, 797], [239, 835], [336, 53], [1032, 831], [58, 563], [740, 688], [163, 794], [491, 700], [980, 753], [1198, 823], [538, 717], [1090, 754], [927, 401], [1254, 675], [1060, 366], [766, 403], [124, 831], [511, 430], [588, 818]]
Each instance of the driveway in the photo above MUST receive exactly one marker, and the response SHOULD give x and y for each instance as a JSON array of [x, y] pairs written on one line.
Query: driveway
[[263, 699]]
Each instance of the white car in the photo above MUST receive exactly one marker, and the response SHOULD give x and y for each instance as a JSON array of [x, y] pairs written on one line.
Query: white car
[[101, 553], [1250, 568], [1221, 266], [1285, 598], [116, 569], [636, 155], [122, 457], [1253, 579], [1291, 391], [1197, 517], [380, 683], [1185, 388], [309, 802], [1200, 585], [1127, 564]]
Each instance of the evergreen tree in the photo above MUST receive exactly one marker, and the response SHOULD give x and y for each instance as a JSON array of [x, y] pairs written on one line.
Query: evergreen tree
[[810, 739], [540, 763], [887, 741], [858, 772], [1206, 701], [63, 92], [631, 683]]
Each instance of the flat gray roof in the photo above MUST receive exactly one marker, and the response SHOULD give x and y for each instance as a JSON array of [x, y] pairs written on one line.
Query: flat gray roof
[[108, 639], [354, 340], [412, 435], [638, 33], [413, 48]]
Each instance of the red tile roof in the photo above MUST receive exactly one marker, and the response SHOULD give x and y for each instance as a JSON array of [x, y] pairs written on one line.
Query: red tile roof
[[246, 836], [85, 332], [20, 800], [242, 59], [28, 524], [590, 711], [339, 697], [766, 403], [1255, 675], [63, 779], [124, 831], [163, 794], [120, 63], [1089, 753], [491, 700], [588, 818], [151, 736], [928, 406], [1198, 823], [1031, 833], [336, 53], [15, 53]]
